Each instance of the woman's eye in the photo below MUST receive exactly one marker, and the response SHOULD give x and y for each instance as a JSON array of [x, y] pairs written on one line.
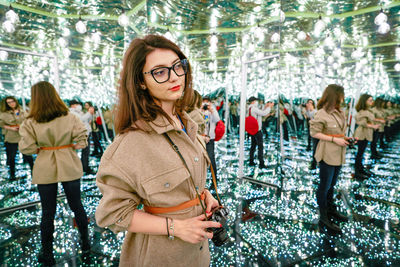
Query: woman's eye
[[159, 72]]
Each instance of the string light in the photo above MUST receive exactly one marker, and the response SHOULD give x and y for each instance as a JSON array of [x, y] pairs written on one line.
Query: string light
[[123, 19], [80, 26]]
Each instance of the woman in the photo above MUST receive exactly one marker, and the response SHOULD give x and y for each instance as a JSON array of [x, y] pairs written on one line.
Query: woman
[[329, 126], [54, 133], [379, 114], [141, 166], [11, 117], [364, 132]]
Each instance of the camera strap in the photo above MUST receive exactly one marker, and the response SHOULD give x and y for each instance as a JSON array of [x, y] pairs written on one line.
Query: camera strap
[[176, 149]]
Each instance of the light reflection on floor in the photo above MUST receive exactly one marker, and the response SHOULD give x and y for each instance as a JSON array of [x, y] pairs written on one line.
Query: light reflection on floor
[[285, 233]]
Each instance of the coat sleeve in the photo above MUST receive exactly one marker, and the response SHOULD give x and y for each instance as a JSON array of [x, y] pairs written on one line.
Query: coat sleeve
[[214, 116], [79, 132], [2, 122], [119, 198], [260, 112], [317, 124], [27, 144], [361, 119]]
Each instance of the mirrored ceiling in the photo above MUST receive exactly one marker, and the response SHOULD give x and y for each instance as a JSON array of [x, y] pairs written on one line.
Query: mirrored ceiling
[[340, 40]]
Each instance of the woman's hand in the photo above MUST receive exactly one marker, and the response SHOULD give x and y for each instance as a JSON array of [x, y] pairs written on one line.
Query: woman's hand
[[194, 230], [76, 146], [210, 201], [340, 141]]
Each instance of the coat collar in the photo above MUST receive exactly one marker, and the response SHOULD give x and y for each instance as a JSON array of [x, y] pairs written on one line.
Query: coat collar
[[161, 125]]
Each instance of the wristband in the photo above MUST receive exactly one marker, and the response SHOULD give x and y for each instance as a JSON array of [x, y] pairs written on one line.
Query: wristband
[[171, 228], [166, 218]]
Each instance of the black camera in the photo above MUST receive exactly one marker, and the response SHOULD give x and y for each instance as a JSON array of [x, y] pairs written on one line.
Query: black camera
[[205, 106], [351, 142], [220, 236]]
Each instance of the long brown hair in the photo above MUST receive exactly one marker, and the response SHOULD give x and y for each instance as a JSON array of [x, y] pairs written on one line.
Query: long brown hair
[[134, 103], [196, 101], [362, 102], [331, 97], [46, 104], [5, 107], [379, 103]]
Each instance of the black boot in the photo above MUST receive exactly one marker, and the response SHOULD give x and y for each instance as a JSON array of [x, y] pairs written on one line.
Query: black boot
[[325, 221], [333, 213], [85, 243], [251, 163], [46, 256], [359, 175], [366, 172], [376, 156]]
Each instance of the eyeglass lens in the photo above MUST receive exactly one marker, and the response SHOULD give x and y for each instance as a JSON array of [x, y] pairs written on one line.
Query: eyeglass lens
[[162, 74]]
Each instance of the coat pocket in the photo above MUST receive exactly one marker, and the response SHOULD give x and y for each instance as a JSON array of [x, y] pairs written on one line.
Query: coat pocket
[[168, 189]]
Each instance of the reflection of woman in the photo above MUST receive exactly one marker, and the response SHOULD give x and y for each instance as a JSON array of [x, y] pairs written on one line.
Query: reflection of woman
[[329, 125], [309, 114], [364, 132], [194, 111], [141, 167], [53, 133], [283, 120], [11, 117], [379, 114]]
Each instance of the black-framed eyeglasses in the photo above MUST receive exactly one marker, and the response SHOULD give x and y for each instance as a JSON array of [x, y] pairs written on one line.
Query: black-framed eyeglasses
[[162, 74]]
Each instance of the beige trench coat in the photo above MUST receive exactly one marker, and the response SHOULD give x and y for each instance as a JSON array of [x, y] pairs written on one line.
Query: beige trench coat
[[363, 132], [9, 118], [379, 114], [197, 116], [140, 167], [52, 166], [333, 122]]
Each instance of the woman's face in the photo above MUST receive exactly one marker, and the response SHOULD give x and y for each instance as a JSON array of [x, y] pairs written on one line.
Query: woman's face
[[172, 89], [87, 106], [370, 101], [11, 103]]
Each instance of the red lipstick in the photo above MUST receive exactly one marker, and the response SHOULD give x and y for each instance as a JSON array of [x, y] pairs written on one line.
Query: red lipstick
[[175, 88]]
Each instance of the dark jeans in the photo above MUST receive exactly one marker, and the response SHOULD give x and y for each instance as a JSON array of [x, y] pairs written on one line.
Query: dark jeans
[[85, 157], [327, 180], [210, 147], [11, 152], [362, 145], [48, 199], [285, 131], [96, 136], [257, 140], [375, 142]]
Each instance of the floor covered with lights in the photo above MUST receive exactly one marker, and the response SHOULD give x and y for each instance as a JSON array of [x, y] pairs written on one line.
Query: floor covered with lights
[[284, 233]]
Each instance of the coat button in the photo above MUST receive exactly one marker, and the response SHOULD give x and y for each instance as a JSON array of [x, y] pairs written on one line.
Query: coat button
[[196, 159], [166, 185]]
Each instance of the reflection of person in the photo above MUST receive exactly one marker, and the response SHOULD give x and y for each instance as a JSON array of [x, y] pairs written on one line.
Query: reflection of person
[[329, 126], [211, 118], [141, 167], [109, 120], [309, 114], [76, 109], [11, 117], [257, 139], [95, 133], [379, 115], [53, 133], [364, 132], [195, 113]]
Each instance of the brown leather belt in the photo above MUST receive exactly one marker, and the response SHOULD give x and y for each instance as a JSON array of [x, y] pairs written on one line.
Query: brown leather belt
[[56, 147], [13, 125], [335, 135], [182, 206]]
